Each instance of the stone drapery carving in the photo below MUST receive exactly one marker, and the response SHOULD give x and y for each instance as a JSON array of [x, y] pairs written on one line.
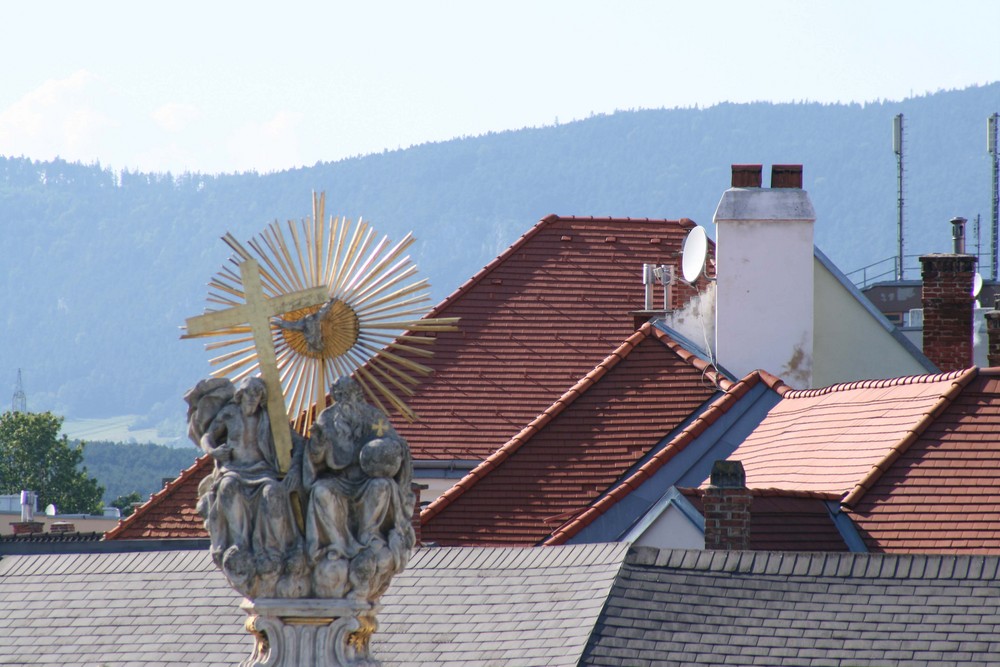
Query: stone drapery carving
[[337, 525]]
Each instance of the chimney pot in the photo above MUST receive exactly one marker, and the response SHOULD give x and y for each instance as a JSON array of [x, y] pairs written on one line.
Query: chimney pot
[[786, 176], [728, 475], [747, 175], [958, 235]]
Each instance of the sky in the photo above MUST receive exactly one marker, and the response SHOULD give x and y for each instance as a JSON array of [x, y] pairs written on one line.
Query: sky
[[264, 86]]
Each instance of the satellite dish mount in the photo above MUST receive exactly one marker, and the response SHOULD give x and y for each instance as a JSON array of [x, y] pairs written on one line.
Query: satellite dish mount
[[662, 274]]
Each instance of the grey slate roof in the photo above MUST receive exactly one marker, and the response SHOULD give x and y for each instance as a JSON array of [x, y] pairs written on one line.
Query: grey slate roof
[[754, 608], [597, 604], [155, 608], [452, 606], [496, 606]]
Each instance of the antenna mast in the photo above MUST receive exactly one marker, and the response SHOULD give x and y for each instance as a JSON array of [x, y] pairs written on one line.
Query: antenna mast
[[897, 148], [991, 147], [19, 403]]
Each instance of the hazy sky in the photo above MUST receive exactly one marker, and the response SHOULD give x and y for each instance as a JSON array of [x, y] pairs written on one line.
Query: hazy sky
[[224, 86]]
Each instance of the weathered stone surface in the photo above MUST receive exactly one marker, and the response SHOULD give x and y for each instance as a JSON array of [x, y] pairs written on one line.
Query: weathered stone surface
[[337, 526]]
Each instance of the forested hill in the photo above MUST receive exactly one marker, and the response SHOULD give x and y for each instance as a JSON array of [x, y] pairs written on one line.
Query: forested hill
[[100, 268]]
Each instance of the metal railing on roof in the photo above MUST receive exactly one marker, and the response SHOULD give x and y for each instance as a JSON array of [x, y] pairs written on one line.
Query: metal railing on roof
[[884, 269]]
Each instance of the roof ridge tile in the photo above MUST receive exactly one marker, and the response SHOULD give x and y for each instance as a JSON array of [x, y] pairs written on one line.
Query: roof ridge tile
[[877, 383]]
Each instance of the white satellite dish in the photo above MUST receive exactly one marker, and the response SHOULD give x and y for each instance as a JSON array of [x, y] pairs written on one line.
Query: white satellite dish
[[693, 254], [977, 285]]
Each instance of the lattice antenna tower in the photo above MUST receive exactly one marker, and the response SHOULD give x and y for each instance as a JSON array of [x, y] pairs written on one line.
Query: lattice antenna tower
[[897, 148], [991, 148], [19, 403]]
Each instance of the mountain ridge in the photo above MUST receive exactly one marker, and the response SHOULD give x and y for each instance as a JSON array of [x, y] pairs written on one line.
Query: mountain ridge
[[102, 267]]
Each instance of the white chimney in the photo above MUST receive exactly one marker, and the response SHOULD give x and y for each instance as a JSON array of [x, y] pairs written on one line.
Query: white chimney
[[764, 259]]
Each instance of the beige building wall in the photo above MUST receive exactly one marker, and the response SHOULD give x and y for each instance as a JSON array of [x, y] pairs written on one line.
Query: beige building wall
[[850, 342]]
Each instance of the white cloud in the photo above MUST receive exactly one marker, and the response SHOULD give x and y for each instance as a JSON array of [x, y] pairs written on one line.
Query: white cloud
[[267, 146], [175, 117], [59, 117]]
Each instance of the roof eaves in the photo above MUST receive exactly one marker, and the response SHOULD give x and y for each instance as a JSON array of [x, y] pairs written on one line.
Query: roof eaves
[[515, 443], [157, 498], [733, 393], [771, 493], [959, 380]]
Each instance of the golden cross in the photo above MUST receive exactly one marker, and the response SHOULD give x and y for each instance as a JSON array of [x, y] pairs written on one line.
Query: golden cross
[[380, 427], [257, 312]]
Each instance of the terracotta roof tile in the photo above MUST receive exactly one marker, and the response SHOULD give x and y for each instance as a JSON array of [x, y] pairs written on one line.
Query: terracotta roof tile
[[942, 494], [733, 393], [575, 448], [839, 438], [533, 321], [170, 512]]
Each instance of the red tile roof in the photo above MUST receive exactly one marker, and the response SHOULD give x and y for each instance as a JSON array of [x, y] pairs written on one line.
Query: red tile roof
[[835, 439], [942, 492], [169, 513], [719, 407], [787, 521], [533, 321], [576, 448]]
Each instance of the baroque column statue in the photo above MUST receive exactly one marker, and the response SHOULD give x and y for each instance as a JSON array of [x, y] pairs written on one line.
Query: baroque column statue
[[313, 549]]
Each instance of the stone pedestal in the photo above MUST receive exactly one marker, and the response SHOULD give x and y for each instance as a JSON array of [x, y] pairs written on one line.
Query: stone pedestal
[[310, 632]]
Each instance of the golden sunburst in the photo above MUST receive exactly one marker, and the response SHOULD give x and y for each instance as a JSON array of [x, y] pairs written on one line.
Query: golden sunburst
[[373, 307]]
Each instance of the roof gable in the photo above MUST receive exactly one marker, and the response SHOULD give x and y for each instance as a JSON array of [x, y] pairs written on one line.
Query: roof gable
[[577, 447]]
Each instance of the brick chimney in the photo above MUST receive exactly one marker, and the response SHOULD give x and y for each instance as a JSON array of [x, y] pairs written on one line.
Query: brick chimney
[[993, 334], [948, 304], [726, 504]]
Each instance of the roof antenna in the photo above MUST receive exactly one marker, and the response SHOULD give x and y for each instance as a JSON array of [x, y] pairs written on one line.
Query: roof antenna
[[897, 148], [19, 403], [662, 274]]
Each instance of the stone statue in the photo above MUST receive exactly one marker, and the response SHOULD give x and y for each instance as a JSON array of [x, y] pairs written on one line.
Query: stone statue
[[358, 522], [336, 526], [247, 507]]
